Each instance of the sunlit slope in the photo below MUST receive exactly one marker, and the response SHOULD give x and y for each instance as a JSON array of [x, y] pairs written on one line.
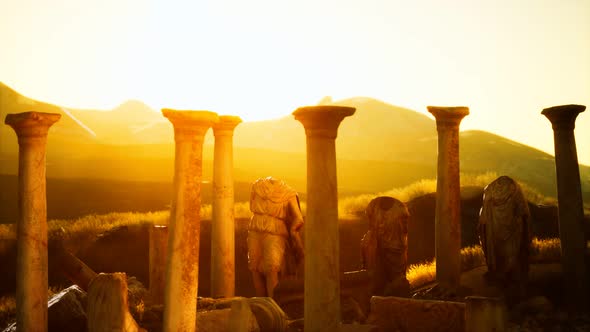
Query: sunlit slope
[[66, 130], [381, 146], [123, 124]]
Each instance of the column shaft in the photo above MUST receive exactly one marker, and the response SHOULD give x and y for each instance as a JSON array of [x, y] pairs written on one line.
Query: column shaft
[[448, 196], [222, 223], [571, 207], [158, 235], [322, 246], [448, 209], [31, 263], [182, 266]]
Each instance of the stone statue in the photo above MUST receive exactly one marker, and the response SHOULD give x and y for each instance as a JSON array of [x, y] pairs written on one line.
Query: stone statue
[[504, 232], [385, 246], [275, 248]]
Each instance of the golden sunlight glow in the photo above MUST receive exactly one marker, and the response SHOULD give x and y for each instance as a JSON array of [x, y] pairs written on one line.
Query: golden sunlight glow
[[506, 60]]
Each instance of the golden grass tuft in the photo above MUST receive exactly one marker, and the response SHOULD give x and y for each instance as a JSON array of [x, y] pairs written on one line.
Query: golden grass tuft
[[354, 207], [542, 251], [545, 250]]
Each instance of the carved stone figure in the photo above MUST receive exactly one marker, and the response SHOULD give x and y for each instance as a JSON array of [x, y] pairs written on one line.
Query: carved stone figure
[[385, 246], [273, 233], [504, 232]]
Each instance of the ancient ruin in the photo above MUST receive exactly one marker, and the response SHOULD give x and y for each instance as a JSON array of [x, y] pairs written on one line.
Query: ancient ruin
[[158, 247], [483, 314], [182, 266], [448, 208], [505, 235], [222, 223], [385, 246], [330, 299], [31, 270], [107, 305], [273, 233], [322, 269], [571, 207]]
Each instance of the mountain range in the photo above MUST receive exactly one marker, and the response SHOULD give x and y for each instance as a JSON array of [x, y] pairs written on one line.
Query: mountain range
[[380, 147]]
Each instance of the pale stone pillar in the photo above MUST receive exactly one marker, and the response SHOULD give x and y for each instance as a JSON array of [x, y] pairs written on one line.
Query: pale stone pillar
[[158, 248], [31, 229], [485, 314], [569, 196], [322, 258], [222, 223], [182, 266], [448, 200], [107, 307]]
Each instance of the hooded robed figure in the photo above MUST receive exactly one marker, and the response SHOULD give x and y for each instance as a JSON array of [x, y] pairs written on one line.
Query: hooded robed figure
[[384, 247], [275, 248], [504, 232]]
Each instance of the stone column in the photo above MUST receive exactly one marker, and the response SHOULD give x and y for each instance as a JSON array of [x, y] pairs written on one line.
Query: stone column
[[485, 314], [182, 266], [158, 248], [569, 197], [31, 229], [448, 200], [322, 258], [222, 223]]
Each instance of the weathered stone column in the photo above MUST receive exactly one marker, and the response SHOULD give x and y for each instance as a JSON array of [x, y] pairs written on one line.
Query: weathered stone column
[[322, 251], [485, 314], [569, 197], [158, 248], [182, 266], [448, 200], [222, 223], [31, 228]]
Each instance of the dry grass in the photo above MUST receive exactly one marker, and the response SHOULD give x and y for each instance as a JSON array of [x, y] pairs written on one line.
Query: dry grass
[[92, 225], [354, 207], [542, 251], [349, 208], [546, 250]]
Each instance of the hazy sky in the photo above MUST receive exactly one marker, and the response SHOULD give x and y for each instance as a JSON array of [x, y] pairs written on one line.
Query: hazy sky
[[505, 59]]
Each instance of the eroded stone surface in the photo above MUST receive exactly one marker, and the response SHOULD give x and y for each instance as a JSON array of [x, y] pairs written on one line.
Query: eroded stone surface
[[322, 269], [107, 304], [505, 235], [401, 314], [223, 224], [483, 314], [385, 246], [182, 266], [273, 234], [571, 209], [158, 248], [448, 204], [31, 270]]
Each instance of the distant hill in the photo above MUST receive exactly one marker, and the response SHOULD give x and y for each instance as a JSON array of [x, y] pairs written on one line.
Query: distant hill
[[381, 146]]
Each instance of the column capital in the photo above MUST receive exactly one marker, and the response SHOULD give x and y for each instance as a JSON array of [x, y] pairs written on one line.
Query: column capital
[[448, 116], [322, 121], [226, 125], [563, 117], [31, 124], [188, 124]]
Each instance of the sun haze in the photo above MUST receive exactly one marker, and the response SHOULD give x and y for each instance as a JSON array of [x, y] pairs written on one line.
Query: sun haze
[[260, 59]]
